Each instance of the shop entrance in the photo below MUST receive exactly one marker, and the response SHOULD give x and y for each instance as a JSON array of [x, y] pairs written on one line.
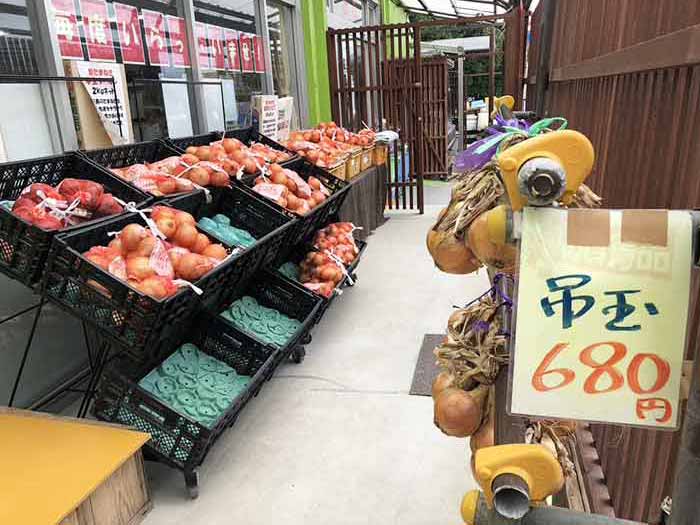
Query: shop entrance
[[380, 78]]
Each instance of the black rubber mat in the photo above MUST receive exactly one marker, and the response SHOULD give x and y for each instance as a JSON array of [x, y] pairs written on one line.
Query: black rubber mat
[[426, 370]]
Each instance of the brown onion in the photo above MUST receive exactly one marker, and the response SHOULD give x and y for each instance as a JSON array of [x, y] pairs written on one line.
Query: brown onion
[[442, 381], [459, 413], [449, 253], [499, 256], [484, 437]]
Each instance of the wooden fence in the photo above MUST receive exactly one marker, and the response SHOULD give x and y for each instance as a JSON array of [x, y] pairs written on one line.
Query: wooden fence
[[626, 73]]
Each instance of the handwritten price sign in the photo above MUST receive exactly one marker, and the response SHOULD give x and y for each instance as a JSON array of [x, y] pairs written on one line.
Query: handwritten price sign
[[601, 315]]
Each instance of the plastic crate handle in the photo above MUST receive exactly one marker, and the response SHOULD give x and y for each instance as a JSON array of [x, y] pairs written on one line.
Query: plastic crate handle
[[235, 342]]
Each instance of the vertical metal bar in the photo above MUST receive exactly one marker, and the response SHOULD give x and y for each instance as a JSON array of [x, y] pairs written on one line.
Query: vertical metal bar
[[27, 346], [358, 78], [419, 160], [347, 113], [342, 94], [392, 118], [492, 67], [411, 117], [404, 116], [379, 79], [333, 72], [261, 28]]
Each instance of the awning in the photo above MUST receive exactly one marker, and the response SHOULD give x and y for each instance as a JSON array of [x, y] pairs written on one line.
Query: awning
[[453, 45], [459, 8]]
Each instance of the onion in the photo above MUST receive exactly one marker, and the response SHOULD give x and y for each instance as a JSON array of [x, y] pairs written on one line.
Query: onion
[[131, 236], [192, 266], [199, 176], [499, 256], [116, 245], [167, 226], [442, 381], [175, 254], [450, 254], [215, 251], [138, 268], [185, 236], [459, 413], [145, 247], [157, 287], [278, 177], [182, 217], [201, 243], [314, 183], [219, 179]]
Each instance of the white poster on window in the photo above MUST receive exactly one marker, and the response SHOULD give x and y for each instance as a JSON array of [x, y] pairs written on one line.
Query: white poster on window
[[177, 110], [111, 110]]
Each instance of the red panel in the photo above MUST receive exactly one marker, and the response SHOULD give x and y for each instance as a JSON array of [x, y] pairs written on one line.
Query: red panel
[[98, 33], [259, 52], [156, 42], [66, 23], [247, 61], [129, 31], [215, 35], [178, 41], [234, 60]]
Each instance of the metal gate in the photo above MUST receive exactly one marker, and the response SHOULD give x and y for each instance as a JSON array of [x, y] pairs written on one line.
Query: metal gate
[[376, 80]]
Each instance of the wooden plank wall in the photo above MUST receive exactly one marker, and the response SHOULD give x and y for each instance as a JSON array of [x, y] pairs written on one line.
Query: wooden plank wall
[[643, 120]]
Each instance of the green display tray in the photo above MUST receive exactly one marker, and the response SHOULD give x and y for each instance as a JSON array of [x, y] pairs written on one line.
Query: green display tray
[[195, 385], [267, 325]]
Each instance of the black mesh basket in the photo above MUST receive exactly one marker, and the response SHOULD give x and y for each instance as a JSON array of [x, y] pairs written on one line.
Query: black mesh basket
[[269, 226], [143, 325], [272, 290], [24, 247], [176, 439], [320, 215], [137, 153], [246, 135]]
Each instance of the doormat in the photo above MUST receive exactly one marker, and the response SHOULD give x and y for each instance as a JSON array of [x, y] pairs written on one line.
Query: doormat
[[426, 369]]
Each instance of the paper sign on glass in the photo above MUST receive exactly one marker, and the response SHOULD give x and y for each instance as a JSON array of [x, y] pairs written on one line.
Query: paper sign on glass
[[129, 31], [602, 307], [178, 41], [234, 62], [215, 35], [200, 33], [246, 45], [156, 44], [98, 33], [66, 23]]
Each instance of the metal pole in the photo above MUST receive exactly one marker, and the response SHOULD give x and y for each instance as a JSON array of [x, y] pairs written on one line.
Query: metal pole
[[686, 504], [492, 67], [460, 98]]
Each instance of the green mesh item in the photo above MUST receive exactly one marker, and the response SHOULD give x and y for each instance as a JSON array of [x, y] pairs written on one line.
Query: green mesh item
[[290, 271], [195, 385], [220, 227], [267, 325]]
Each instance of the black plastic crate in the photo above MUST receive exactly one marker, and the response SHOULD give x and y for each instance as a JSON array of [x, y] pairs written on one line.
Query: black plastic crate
[[176, 439], [24, 247], [268, 225], [271, 289], [137, 153], [246, 135], [297, 255], [318, 217], [143, 325]]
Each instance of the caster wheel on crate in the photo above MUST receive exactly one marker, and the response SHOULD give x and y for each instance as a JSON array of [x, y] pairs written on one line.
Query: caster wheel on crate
[[306, 340], [298, 354], [192, 483]]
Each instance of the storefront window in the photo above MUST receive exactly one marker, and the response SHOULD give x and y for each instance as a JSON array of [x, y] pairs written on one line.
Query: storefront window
[[26, 115], [344, 13], [231, 52]]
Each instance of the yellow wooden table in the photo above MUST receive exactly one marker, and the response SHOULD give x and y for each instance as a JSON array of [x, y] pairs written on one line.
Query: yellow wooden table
[[69, 471]]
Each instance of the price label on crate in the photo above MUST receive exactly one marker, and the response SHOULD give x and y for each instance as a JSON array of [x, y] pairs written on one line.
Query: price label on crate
[[602, 309]]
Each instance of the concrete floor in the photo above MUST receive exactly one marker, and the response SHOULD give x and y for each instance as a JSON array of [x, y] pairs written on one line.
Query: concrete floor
[[338, 439]]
